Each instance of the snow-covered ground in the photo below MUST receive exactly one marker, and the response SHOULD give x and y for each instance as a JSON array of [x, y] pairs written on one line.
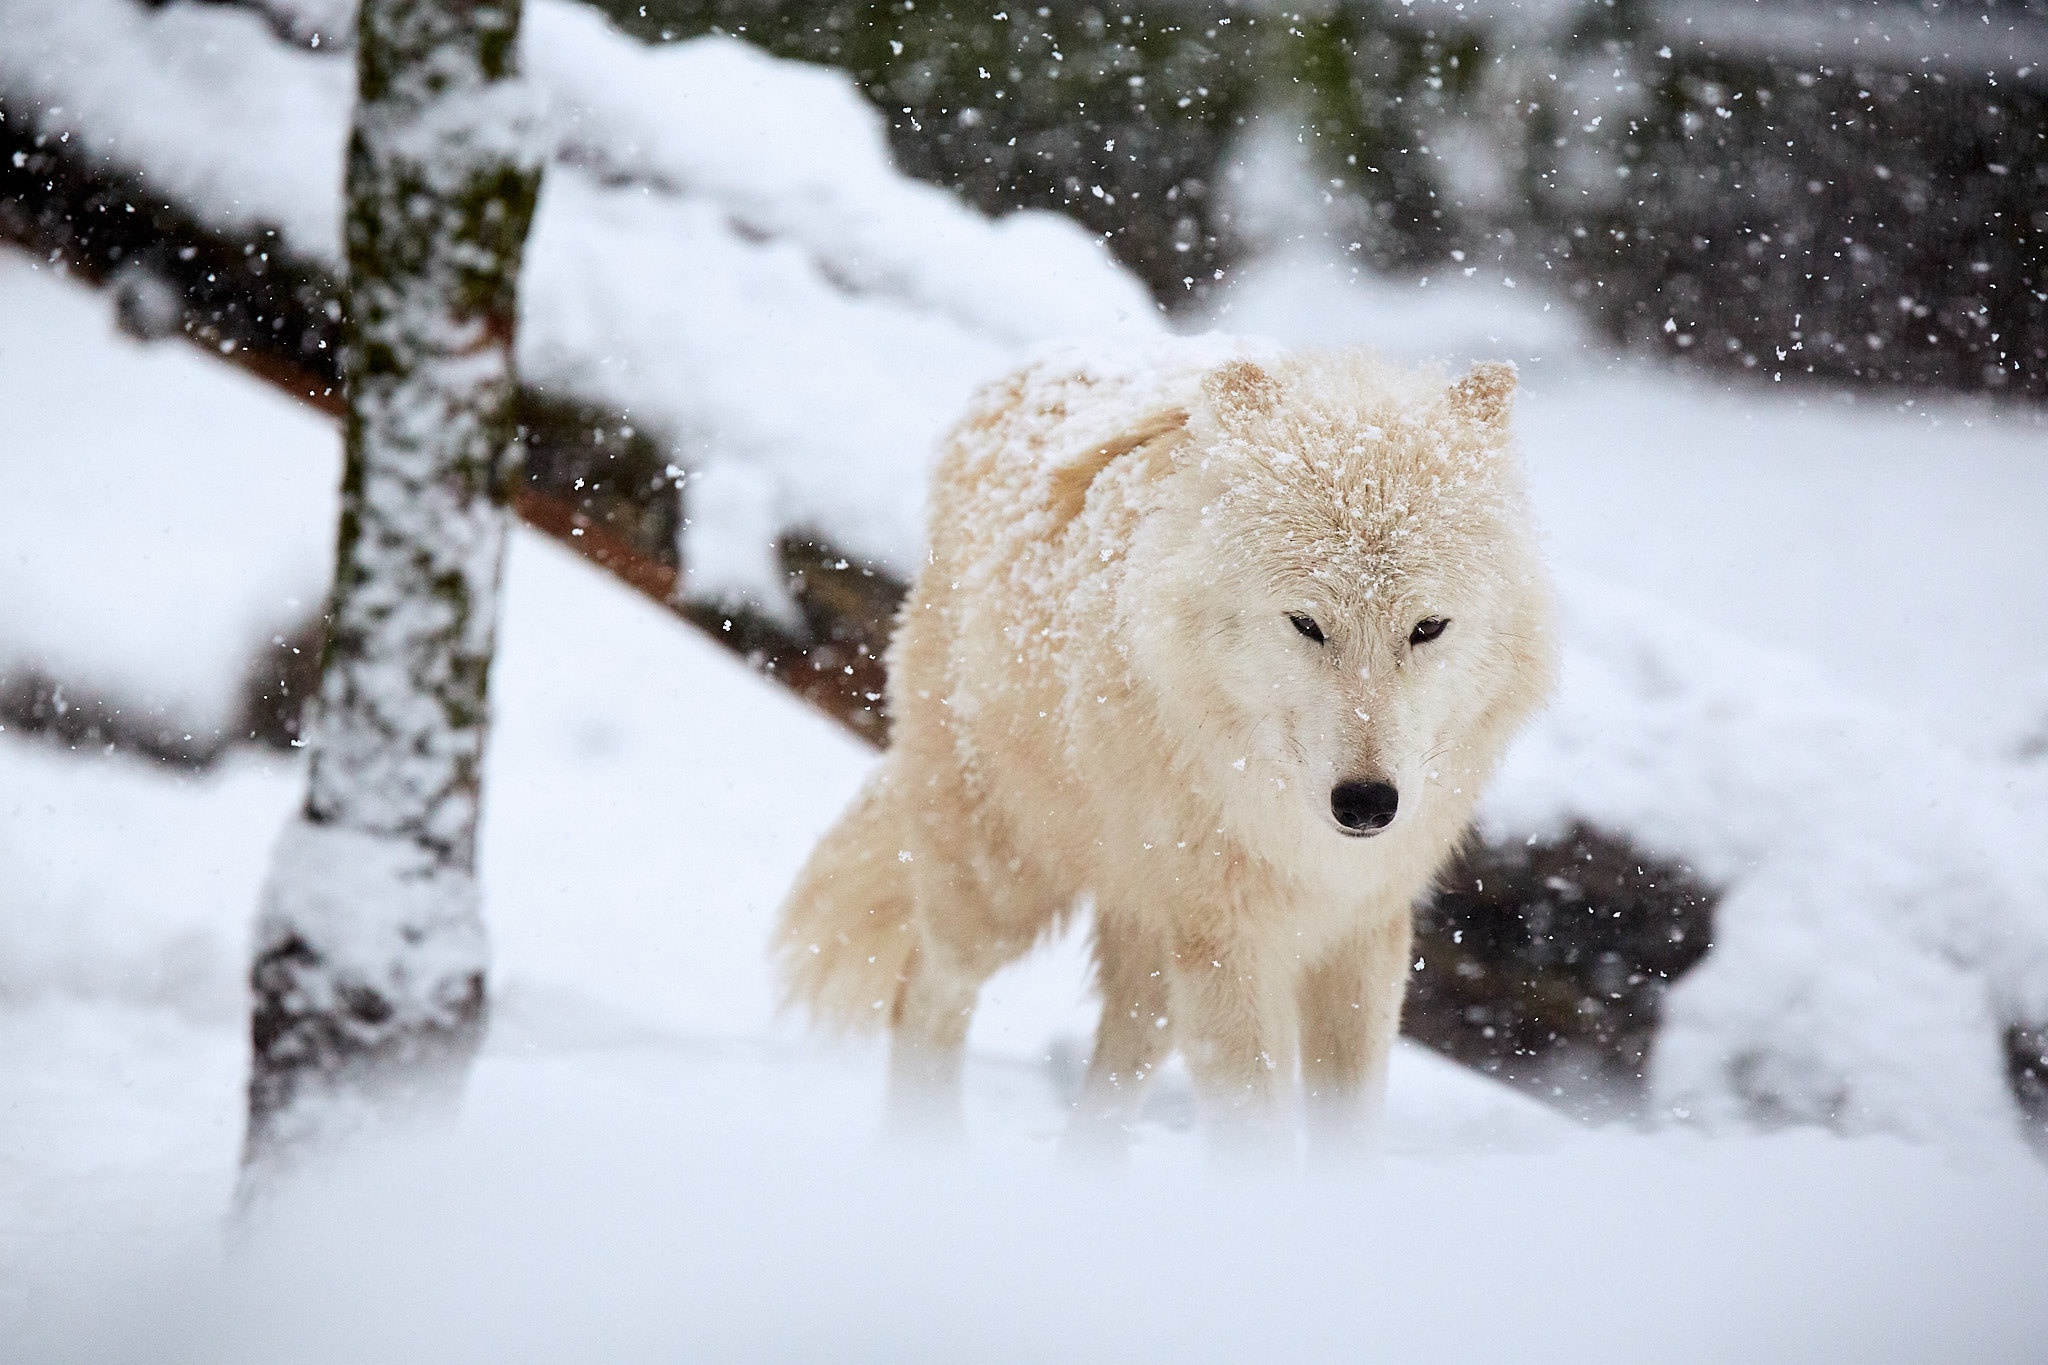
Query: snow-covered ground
[[650, 1167]]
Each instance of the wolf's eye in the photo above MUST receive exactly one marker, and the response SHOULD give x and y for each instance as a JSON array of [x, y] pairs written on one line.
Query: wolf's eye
[[1307, 626], [1427, 629]]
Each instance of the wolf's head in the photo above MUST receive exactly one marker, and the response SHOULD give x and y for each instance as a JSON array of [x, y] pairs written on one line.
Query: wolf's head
[[1338, 599]]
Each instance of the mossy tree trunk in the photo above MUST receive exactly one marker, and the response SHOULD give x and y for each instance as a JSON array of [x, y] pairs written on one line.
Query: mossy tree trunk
[[369, 959]]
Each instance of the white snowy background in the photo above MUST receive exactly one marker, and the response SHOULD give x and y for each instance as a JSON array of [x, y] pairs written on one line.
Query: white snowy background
[[1807, 653]]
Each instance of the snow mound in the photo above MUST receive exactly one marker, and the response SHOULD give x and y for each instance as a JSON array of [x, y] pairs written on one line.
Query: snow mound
[[150, 545], [1885, 906], [127, 883], [200, 103]]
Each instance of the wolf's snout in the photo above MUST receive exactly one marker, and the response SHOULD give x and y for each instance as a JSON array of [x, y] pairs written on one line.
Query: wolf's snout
[[1364, 807]]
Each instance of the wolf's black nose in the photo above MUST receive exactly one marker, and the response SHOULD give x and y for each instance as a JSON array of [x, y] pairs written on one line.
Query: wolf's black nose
[[1364, 807]]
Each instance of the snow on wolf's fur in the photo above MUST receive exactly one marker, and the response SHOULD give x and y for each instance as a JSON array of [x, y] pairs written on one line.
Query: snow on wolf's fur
[[1194, 622]]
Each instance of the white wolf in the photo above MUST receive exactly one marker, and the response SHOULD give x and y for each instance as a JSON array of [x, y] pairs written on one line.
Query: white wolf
[[1225, 647]]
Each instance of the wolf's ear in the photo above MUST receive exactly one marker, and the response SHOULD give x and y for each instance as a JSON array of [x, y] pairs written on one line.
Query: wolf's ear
[[1485, 393], [1150, 435], [1241, 389]]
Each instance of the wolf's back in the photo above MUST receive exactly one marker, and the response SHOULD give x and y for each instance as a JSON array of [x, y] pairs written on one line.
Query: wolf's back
[[845, 938]]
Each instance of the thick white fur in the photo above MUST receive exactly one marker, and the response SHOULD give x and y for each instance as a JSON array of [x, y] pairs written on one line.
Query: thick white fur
[[1097, 695]]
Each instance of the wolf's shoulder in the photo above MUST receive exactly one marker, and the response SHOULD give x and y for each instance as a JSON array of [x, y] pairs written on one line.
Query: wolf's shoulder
[[1067, 399]]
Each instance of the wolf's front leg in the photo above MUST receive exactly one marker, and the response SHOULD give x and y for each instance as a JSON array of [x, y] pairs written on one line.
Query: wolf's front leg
[[1130, 1041], [1233, 1013], [1350, 1012]]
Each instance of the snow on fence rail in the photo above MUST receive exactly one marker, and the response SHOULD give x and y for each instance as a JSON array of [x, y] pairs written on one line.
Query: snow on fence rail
[[793, 328], [723, 254]]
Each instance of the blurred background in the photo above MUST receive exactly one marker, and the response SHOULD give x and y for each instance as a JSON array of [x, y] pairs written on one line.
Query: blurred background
[[1776, 276], [1859, 186]]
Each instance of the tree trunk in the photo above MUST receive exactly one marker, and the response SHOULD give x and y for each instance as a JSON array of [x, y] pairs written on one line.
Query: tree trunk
[[369, 958]]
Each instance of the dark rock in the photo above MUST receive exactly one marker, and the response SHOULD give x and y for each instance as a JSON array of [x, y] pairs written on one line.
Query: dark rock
[[34, 703], [281, 679], [1545, 963], [2026, 1062]]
